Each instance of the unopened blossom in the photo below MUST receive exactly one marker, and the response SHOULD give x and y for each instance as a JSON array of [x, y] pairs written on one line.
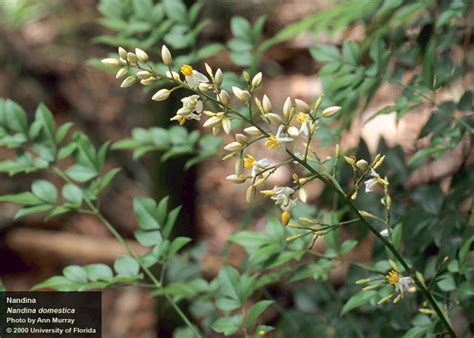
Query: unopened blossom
[[191, 110], [193, 77], [384, 233]]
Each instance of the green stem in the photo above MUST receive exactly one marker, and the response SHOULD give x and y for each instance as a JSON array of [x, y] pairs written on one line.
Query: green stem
[[130, 251]]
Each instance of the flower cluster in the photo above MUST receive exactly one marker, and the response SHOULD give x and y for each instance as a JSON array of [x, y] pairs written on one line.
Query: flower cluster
[[276, 131]]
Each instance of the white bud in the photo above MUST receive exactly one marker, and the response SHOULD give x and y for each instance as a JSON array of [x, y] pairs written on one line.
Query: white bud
[[128, 82], [208, 69], [266, 104], [224, 97], [219, 77], [250, 193], [161, 95], [241, 138], [166, 55], [141, 55], [303, 195], [242, 95], [362, 164], [122, 53], [239, 166], [132, 58], [121, 73], [143, 74], [287, 107], [111, 62], [257, 80], [301, 106], [293, 131], [234, 146], [172, 75], [212, 122], [236, 179], [253, 131], [203, 86], [147, 82], [226, 125], [274, 118], [384, 233], [330, 111]]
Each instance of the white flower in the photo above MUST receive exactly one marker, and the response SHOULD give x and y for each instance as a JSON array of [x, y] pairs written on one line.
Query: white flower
[[372, 182], [191, 110], [403, 285], [281, 136], [282, 197], [259, 166], [384, 233], [193, 77]]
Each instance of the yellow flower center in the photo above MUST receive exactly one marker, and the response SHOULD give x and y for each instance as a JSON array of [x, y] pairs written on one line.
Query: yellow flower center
[[249, 160], [187, 70], [181, 120], [393, 277], [272, 142], [301, 117]]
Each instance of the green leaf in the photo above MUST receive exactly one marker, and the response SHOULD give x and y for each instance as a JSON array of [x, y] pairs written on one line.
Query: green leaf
[[255, 311], [162, 209], [228, 325], [447, 283], [358, 299], [96, 272], [45, 117], [177, 244], [126, 266], [73, 194], [108, 177], [59, 283], [33, 210], [325, 53], [25, 198], [175, 10], [62, 131], [240, 27], [209, 50], [397, 236], [45, 190], [230, 282], [15, 117], [149, 237], [171, 220], [76, 274], [81, 173], [145, 213]]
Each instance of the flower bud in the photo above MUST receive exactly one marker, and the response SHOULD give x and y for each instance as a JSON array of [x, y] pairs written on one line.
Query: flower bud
[[266, 104], [350, 160], [362, 164], [242, 95], [112, 62], [147, 82], [234, 146], [219, 77], [246, 76], [287, 107], [143, 74], [236, 179], [285, 217], [241, 138], [203, 86], [293, 131], [122, 53], [128, 82], [224, 97], [253, 131], [166, 55], [274, 118], [226, 125], [250, 193], [132, 58], [379, 162], [301, 106], [161, 95], [209, 70], [239, 166], [303, 195], [172, 75], [212, 122], [141, 55], [330, 111], [121, 73], [257, 80]]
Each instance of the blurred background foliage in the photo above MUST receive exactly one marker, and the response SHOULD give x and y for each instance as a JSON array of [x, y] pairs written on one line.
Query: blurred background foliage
[[403, 73]]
